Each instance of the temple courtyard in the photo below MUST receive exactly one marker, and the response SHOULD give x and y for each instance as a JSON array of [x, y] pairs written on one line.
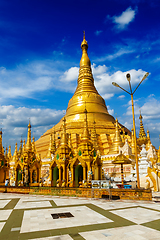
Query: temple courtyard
[[24, 216]]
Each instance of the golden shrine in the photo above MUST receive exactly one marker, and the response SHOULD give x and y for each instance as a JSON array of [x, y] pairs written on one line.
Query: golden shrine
[[82, 147]]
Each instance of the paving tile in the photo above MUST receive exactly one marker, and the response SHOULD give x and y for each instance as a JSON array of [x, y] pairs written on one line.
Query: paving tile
[[138, 215], [1, 225], [4, 214], [136, 232], [3, 203], [61, 237], [23, 204]]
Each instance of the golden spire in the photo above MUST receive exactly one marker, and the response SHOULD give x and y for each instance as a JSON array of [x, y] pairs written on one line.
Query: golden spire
[[149, 140], [6, 153], [15, 152], [29, 144], [24, 146], [51, 149], [117, 141], [63, 137], [85, 135], [85, 59], [133, 143], [86, 93], [9, 153], [142, 133], [20, 148], [33, 145]]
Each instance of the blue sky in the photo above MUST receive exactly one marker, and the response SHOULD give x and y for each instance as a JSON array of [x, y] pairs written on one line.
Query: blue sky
[[40, 54]]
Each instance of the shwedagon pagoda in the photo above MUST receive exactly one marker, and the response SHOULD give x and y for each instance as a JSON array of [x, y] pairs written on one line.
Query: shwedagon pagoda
[[85, 145]]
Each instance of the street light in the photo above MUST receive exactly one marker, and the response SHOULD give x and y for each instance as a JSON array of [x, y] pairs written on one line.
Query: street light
[[128, 76]]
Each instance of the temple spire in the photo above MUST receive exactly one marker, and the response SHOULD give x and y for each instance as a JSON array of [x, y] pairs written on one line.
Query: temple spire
[[51, 149], [15, 152], [6, 153], [24, 146], [9, 153], [29, 144], [20, 148], [149, 140], [33, 145], [64, 137], [117, 140], [142, 133]]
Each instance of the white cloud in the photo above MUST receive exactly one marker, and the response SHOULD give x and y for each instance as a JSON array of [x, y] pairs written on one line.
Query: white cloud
[[124, 19], [115, 55], [70, 75], [121, 96], [111, 111], [107, 95], [27, 79], [103, 81]]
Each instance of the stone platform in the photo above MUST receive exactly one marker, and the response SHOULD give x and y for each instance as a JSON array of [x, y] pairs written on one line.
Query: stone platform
[[130, 194]]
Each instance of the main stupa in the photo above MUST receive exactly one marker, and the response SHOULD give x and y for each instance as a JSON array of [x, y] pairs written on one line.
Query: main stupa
[[86, 96]]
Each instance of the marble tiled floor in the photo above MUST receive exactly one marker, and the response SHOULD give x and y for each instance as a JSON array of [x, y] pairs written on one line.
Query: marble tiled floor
[[127, 233], [40, 220], [138, 215], [29, 217]]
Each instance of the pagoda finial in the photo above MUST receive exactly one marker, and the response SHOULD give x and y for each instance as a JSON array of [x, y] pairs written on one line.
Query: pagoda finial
[[6, 153], [64, 138], [24, 146], [20, 148], [9, 153], [85, 59], [142, 133], [33, 145], [84, 35], [29, 144], [117, 140]]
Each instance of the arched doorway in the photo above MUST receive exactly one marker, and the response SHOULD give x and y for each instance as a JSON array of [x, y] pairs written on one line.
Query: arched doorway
[[78, 175], [55, 175]]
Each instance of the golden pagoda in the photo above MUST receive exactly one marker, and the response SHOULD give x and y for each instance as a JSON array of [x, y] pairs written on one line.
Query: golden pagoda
[[25, 165], [142, 135]]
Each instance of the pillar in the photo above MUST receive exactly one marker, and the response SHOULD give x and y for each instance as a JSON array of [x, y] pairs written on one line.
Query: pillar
[[122, 179], [84, 173]]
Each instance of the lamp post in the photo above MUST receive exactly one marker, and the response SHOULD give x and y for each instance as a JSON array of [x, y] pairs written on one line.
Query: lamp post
[[134, 127]]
